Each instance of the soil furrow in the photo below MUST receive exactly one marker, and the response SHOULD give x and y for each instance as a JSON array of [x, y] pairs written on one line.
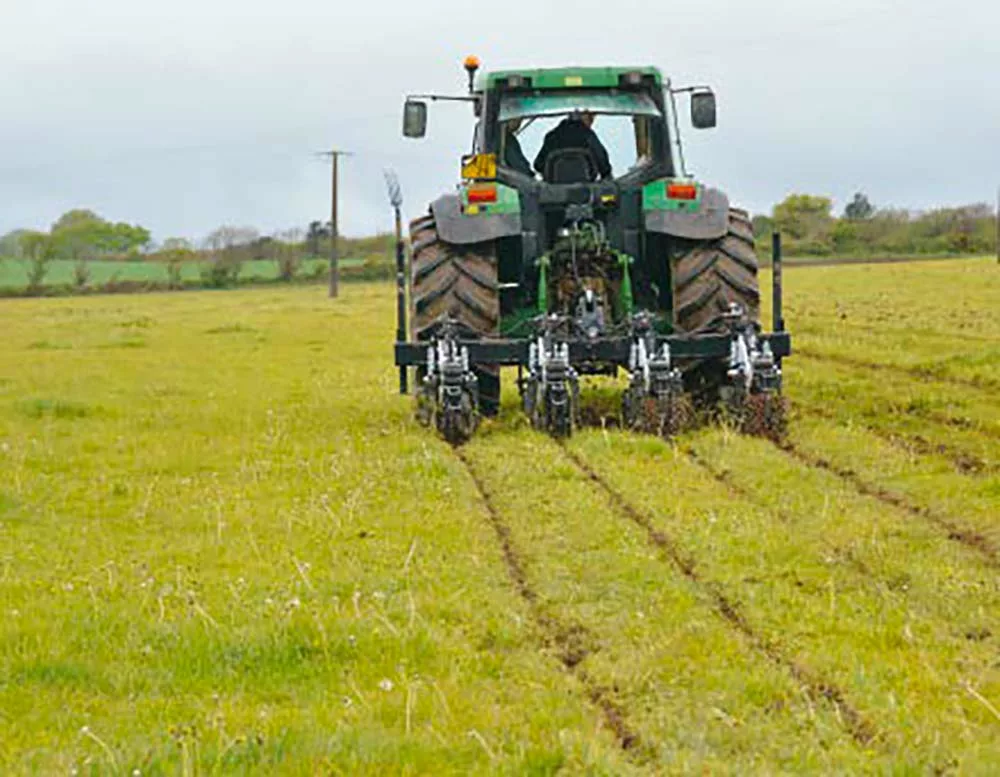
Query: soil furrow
[[572, 641], [859, 728], [965, 463], [923, 373], [968, 537], [724, 478], [949, 421], [913, 408]]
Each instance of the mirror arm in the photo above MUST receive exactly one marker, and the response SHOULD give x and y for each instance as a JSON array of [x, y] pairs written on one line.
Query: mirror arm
[[677, 128], [444, 98], [688, 89]]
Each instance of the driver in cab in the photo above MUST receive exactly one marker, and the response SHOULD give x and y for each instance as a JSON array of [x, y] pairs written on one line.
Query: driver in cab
[[576, 131]]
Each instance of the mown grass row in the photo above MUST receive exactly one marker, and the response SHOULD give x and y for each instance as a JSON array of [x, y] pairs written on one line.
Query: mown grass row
[[926, 426], [696, 691], [868, 560], [831, 585], [933, 320]]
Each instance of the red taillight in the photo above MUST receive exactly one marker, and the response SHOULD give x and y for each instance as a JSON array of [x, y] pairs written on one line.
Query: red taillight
[[682, 191], [480, 194]]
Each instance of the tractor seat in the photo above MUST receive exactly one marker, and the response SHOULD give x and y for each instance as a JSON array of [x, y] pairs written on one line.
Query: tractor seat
[[570, 165]]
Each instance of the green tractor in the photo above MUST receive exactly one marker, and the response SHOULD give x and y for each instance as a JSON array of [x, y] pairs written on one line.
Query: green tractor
[[593, 267]]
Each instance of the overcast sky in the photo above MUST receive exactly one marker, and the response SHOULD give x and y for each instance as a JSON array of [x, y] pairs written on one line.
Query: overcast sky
[[183, 115]]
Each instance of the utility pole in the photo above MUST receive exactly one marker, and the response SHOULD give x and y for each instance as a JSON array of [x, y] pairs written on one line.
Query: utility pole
[[334, 157], [998, 225]]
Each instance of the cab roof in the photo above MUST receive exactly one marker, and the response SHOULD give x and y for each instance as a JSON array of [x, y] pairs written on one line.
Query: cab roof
[[570, 77]]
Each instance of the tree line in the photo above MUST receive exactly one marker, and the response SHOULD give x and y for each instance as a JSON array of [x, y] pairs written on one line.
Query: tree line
[[810, 228], [82, 236]]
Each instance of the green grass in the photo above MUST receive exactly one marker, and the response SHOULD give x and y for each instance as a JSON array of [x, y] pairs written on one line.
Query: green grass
[[692, 685], [827, 576], [764, 251], [14, 272], [225, 547]]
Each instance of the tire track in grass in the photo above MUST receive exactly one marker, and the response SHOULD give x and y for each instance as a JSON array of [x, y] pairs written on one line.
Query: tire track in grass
[[946, 420], [572, 640], [860, 729], [922, 373], [945, 570], [964, 423], [955, 531], [817, 329], [954, 422], [965, 463], [725, 479]]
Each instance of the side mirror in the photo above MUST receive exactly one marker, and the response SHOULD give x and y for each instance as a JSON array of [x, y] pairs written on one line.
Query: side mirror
[[414, 119], [703, 110]]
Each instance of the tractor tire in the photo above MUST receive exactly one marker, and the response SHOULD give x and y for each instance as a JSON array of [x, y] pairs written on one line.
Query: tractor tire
[[712, 275], [460, 281]]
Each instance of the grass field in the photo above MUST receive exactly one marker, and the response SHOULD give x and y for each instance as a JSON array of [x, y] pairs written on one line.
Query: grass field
[[14, 272], [226, 547]]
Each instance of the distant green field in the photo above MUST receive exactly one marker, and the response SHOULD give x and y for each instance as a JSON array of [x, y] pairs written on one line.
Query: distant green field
[[14, 272]]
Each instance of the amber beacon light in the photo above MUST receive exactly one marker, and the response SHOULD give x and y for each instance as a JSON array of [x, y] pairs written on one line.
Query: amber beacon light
[[472, 64]]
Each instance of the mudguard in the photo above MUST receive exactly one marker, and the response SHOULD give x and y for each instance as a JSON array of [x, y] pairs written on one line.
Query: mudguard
[[708, 222], [456, 228]]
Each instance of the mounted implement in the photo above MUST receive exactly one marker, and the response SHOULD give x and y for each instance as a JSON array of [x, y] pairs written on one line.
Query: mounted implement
[[609, 260]]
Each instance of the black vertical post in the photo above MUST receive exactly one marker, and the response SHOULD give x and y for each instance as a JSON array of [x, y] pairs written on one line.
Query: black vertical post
[[776, 311], [396, 199], [401, 296], [334, 290]]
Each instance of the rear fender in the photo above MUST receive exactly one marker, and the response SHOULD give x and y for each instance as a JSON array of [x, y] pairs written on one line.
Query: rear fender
[[460, 228], [708, 220]]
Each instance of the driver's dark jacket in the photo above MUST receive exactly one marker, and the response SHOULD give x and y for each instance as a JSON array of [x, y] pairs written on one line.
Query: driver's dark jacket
[[572, 133]]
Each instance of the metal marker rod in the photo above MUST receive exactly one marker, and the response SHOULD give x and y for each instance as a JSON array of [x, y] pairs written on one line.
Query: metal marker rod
[[776, 281], [401, 296]]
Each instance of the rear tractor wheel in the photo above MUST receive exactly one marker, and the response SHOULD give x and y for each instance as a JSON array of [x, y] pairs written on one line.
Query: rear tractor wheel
[[711, 276], [460, 282], [710, 280]]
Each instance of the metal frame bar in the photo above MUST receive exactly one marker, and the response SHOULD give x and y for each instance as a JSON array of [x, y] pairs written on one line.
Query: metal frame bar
[[608, 350], [401, 299]]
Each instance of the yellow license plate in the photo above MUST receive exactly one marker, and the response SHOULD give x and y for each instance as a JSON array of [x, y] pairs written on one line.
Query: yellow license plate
[[479, 167]]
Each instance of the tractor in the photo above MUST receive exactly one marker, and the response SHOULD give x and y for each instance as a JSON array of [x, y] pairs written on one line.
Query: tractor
[[640, 271]]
